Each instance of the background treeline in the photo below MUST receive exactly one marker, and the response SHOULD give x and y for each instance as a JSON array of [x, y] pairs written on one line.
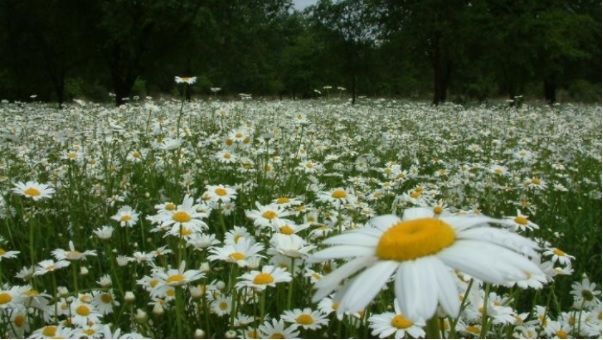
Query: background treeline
[[437, 49]]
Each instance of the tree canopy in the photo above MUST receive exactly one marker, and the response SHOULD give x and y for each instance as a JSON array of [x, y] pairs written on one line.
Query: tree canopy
[[436, 49]]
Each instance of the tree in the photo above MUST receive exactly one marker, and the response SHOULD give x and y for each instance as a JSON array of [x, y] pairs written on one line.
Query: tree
[[355, 29]]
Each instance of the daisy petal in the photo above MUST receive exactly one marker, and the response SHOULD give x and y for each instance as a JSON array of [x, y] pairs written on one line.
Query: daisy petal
[[366, 286]]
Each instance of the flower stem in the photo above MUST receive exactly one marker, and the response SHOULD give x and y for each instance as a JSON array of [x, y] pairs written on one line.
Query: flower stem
[[484, 330], [432, 328]]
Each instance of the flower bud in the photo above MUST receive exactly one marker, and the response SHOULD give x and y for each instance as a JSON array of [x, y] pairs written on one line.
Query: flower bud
[[129, 297], [199, 334], [141, 316]]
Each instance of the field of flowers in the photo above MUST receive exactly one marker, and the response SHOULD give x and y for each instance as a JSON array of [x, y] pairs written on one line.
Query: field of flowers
[[297, 219]]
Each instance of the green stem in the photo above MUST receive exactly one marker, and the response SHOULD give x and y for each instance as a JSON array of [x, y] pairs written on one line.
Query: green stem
[[484, 330], [456, 319], [432, 328], [56, 298], [31, 246], [290, 292], [74, 276], [262, 306], [179, 312]]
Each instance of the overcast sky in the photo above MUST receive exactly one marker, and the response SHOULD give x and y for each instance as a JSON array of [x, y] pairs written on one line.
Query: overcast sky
[[301, 4]]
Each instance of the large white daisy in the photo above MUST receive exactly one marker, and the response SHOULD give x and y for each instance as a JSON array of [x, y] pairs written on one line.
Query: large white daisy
[[421, 252]]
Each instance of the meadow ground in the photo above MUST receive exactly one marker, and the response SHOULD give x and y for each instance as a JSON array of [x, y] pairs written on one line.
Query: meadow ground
[[217, 219]]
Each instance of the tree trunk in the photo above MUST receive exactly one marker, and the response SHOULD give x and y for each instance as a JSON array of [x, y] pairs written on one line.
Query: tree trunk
[[550, 90], [123, 88], [353, 89], [440, 82], [60, 90]]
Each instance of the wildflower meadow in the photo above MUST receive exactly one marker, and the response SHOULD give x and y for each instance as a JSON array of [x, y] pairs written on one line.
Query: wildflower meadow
[[300, 219]]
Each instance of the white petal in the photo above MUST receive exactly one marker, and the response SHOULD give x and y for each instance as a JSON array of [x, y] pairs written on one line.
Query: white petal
[[475, 263], [353, 239], [343, 272], [448, 294], [414, 213], [338, 252], [384, 222], [417, 288], [367, 285], [488, 262], [465, 222], [501, 237]]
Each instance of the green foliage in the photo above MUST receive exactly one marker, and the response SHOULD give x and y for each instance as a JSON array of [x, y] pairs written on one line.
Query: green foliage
[[474, 50]]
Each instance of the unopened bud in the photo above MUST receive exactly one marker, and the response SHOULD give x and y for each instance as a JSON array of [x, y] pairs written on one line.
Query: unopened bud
[[141, 316], [199, 334], [129, 297]]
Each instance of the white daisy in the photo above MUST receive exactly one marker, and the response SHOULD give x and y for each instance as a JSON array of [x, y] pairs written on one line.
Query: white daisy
[[239, 253], [386, 324], [72, 254], [276, 329], [423, 251], [8, 254], [306, 318], [126, 216], [267, 215], [268, 277], [34, 190]]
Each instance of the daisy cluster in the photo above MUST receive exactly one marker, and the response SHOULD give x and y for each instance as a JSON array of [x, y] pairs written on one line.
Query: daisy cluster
[[289, 219]]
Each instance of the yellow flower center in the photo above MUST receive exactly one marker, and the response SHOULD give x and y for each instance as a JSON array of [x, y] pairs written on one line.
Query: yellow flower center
[[237, 256], [106, 298], [170, 206], [32, 293], [498, 171], [170, 292], [181, 217], [472, 329], [19, 320], [223, 306], [227, 155], [277, 336], [126, 218], [2, 251], [238, 135], [220, 192], [521, 220], [269, 215], [176, 278], [282, 200], [305, 319], [153, 283], [229, 142], [5, 298], [416, 193], [536, 181], [339, 194], [32, 192], [400, 322], [263, 279], [49, 331], [561, 334], [73, 255], [438, 210], [287, 230], [83, 310], [416, 238], [185, 232], [89, 331], [559, 252], [87, 298], [136, 154]]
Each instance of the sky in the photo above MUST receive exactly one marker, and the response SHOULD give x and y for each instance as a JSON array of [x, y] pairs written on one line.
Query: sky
[[301, 4]]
